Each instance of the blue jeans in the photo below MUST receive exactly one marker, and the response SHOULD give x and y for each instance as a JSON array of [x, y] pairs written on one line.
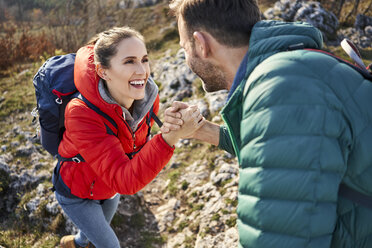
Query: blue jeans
[[93, 220]]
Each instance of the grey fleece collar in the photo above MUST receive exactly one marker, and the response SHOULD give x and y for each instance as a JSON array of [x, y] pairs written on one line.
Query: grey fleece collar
[[140, 107]]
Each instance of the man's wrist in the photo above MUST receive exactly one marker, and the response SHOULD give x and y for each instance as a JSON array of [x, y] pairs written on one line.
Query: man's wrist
[[170, 138], [209, 133], [194, 135]]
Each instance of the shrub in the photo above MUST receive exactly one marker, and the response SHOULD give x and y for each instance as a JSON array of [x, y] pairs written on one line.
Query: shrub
[[25, 48]]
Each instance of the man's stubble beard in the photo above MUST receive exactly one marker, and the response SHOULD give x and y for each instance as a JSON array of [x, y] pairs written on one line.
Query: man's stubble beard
[[212, 77]]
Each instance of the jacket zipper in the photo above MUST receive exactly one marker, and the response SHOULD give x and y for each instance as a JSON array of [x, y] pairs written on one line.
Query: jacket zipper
[[131, 132], [91, 188]]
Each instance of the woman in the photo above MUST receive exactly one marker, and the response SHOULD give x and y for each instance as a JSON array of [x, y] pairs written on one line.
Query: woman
[[112, 73]]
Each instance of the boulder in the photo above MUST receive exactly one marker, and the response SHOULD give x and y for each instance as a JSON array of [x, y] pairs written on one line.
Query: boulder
[[361, 38], [306, 11], [362, 21]]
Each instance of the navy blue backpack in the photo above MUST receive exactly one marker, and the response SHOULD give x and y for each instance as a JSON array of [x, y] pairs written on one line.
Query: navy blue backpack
[[54, 88]]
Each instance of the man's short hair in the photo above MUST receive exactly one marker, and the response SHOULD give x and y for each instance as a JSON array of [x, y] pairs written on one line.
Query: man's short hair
[[230, 22]]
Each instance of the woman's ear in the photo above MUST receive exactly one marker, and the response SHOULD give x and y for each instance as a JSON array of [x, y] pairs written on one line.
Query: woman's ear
[[101, 72], [201, 43]]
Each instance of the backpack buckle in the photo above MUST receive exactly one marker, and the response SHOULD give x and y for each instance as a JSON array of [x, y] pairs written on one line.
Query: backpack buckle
[[76, 160], [34, 114], [59, 101]]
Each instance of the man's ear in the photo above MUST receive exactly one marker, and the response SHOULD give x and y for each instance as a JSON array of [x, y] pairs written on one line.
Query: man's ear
[[201, 43], [101, 72]]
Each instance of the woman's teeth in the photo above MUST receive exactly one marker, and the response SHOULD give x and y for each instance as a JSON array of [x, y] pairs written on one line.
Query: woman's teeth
[[137, 82]]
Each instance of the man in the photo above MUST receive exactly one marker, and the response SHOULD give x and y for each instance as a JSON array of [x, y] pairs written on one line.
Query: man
[[299, 122]]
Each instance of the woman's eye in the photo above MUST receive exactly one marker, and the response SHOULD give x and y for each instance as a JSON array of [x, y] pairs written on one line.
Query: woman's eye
[[145, 60], [129, 62]]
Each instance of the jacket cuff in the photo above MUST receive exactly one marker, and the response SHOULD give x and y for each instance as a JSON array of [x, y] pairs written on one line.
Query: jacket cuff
[[162, 143]]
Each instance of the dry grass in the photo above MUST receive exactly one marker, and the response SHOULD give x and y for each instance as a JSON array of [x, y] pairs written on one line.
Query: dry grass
[[18, 46]]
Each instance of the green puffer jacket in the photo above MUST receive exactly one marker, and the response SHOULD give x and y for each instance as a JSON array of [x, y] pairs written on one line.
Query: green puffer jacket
[[300, 123]]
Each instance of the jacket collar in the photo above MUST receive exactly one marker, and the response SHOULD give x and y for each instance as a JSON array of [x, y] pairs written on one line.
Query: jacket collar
[[267, 38], [270, 37], [140, 107], [240, 75]]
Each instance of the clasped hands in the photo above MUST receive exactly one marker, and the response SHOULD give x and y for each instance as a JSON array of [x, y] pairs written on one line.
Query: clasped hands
[[181, 121]]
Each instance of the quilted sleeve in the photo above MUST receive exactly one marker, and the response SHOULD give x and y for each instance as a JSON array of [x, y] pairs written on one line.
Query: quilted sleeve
[[106, 157], [294, 146]]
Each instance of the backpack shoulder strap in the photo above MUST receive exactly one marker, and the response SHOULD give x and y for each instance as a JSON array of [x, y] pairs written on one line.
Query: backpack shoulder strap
[[363, 71], [153, 116], [156, 119], [351, 50], [78, 158], [100, 112]]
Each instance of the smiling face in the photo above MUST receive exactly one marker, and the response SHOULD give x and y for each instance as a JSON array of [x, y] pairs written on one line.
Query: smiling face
[[128, 72]]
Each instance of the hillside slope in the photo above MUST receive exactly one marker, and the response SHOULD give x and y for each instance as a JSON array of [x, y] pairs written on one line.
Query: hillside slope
[[190, 204]]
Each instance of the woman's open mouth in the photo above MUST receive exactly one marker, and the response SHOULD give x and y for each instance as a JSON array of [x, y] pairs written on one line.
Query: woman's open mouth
[[137, 83]]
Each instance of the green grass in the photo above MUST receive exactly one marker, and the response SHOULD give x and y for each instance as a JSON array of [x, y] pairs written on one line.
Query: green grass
[[15, 238], [366, 55], [4, 182], [18, 93], [225, 211], [190, 241], [182, 226], [198, 89], [148, 239], [173, 176], [137, 220], [20, 232], [198, 207], [231, 222], [216, 217], [232, 202], [18, 96], [184, 185]]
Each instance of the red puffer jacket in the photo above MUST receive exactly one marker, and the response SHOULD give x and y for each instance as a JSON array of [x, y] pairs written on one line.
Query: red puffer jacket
[[107, 170]]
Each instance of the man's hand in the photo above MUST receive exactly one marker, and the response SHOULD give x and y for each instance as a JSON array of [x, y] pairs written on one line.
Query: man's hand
[[208, 132], [172, 117]]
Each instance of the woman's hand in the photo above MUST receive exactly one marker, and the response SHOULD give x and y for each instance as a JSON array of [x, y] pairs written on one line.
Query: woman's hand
[[192, 121], [172, 117]]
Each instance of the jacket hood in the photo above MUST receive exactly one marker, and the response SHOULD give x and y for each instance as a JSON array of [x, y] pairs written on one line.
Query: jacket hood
[[85, 76], [270, 37], [88, 83]]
